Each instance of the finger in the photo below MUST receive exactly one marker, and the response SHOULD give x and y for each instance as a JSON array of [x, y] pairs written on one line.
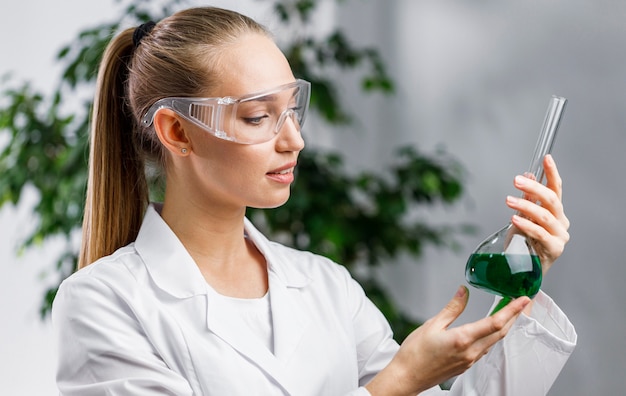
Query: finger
[[482, 345], [528, 186], [548, 200], [548, 241], [546, 222], [496, 326], [477, 338], [453, 309], [531, 229], [553, 200], [548, 234], [533, 190], [513, 308], [542, 228], [527, 196], [502, 321], [553, 178], [550, 217]]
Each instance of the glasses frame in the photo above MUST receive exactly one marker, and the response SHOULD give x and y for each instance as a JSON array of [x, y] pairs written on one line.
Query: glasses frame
[[209, 113]]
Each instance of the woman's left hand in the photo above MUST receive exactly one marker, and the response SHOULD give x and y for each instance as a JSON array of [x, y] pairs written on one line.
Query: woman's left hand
[[541, 216]]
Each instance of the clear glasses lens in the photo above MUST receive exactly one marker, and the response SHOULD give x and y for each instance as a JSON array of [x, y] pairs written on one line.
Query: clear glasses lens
[[251, 119]]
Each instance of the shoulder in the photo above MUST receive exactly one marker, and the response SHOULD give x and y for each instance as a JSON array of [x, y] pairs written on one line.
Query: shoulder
[[330, 284], [120, 261], [314, 265], [113, 274]]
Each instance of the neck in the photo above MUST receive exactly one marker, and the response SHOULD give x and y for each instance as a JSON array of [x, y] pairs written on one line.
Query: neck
[[214, 237]]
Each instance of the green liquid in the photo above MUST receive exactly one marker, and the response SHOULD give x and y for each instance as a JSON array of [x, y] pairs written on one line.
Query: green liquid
[[508, 275]]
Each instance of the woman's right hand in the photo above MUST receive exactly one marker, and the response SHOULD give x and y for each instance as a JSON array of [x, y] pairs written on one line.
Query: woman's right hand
[[434, 352]]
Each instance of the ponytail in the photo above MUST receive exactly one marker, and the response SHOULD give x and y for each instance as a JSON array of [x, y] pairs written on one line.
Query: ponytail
[[117, 191], [179, 57]]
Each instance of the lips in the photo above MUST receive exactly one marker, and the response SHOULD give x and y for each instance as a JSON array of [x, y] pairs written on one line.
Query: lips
[[287, 168], [284, 174]]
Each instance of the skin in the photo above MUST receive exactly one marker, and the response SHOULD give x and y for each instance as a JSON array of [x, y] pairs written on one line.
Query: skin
[[545, 224], [211, 184]]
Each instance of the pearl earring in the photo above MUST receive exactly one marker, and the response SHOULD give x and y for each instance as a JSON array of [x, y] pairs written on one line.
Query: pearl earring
[[183, 150]]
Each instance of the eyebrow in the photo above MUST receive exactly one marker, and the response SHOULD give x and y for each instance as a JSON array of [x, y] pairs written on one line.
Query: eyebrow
[[264, 98], [273, 97]]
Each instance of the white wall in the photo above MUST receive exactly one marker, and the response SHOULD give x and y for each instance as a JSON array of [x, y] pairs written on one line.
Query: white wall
[[473, 76]]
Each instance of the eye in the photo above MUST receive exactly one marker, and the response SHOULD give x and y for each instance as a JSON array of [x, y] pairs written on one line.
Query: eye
[[255, 120]]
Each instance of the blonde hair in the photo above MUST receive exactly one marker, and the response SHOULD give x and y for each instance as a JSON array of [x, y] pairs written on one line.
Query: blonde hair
[[179, 57]]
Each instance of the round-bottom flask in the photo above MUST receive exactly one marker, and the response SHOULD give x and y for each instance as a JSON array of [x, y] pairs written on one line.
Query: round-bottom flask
[[505, 263]]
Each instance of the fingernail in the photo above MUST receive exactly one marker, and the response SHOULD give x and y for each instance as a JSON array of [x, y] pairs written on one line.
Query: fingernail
[[511, 199], [461, 292], [521, 180], [550, 159]]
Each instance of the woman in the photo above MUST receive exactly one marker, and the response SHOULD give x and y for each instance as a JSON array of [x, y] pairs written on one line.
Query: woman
[[187, 297]]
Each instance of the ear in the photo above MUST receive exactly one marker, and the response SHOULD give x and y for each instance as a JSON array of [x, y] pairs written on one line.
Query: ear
[[171, 132]]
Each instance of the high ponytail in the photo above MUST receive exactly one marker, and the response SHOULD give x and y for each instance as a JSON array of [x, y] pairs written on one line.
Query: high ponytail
[[117, 191], [177, 57]]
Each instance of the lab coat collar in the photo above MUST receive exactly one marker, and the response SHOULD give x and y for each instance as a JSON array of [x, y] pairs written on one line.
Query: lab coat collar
[[288, 273], [169, 264], [174, 271]]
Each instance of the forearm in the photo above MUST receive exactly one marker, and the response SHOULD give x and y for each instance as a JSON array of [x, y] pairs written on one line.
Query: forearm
[[393, 380]]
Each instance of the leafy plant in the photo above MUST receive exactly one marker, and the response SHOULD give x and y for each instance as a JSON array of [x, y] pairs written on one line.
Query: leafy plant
[[357, 220]]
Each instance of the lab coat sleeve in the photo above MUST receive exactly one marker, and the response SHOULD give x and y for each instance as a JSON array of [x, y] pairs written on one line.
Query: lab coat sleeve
[[373, 336], [528, 360], [525, 363], [103, 349]]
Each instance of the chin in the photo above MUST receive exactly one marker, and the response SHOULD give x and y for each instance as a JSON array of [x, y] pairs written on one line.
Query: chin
[[271, 204]]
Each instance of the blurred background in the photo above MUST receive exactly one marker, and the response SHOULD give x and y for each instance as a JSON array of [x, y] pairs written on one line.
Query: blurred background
[[472, 77]]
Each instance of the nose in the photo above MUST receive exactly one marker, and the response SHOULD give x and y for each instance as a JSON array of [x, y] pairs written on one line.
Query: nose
[[288, 129], [288, 113]]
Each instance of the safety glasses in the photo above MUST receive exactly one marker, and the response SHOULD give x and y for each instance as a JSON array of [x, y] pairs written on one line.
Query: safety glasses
[[250, 119]]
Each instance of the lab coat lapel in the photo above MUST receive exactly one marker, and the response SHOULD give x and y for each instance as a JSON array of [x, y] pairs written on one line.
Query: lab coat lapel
[[289, 315], [289, 325], [228, 327], [289, 318]]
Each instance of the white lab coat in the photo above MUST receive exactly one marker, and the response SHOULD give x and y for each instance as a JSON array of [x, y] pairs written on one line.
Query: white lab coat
[[144, 322]]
